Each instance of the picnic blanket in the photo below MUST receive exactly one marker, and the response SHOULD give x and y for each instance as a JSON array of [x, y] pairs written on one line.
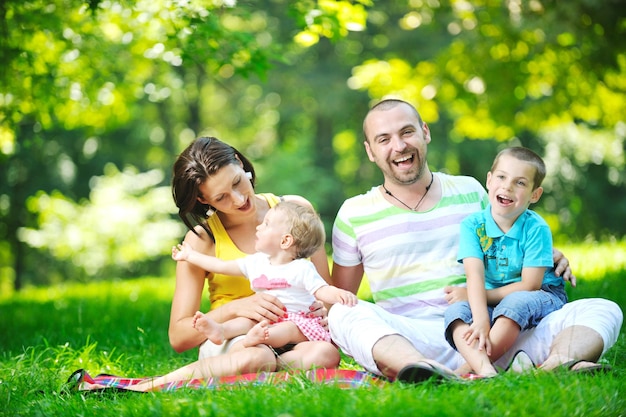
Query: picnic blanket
[[343, 378]]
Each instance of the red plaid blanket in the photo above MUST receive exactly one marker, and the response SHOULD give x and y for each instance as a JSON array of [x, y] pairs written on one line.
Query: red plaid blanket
[[343, 378]]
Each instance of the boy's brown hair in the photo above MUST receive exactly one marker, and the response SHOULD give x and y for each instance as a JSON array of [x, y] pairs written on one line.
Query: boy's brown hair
[[526, 155]]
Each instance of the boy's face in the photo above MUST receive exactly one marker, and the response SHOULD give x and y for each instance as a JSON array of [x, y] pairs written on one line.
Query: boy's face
[[271, 233], [510, 187]]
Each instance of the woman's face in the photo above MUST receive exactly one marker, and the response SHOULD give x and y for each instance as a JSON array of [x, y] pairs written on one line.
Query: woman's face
[[229, 190]]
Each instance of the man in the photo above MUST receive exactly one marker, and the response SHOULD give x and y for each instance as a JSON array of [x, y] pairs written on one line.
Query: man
[[404, 236]]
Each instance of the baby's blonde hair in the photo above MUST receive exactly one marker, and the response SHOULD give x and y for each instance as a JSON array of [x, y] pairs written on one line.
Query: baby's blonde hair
[[304, 225]]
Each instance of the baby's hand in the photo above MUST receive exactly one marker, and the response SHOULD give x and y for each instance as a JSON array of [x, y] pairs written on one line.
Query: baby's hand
[[181, 252], [347, 298]]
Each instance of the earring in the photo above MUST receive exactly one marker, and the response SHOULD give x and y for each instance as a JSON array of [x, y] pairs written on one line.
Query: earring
[[210, 211], [249, 175]]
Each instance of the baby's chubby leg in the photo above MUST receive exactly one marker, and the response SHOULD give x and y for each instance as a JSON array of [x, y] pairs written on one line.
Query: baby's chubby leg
[[258, 334], [219, 332], [213, 330]]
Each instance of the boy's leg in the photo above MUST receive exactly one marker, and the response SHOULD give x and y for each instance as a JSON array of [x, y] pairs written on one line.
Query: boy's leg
[[477, 359], [503, 335]]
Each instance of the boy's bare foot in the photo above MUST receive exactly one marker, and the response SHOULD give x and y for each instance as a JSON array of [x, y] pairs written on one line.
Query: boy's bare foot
[[211, 329], [258, 334]]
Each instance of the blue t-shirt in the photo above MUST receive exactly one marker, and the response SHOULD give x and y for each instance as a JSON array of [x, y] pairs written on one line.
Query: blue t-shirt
[[527, 244]]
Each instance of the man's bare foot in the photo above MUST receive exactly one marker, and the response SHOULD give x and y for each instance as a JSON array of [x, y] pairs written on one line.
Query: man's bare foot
[[575, 365], [211, 329], [258, 334]]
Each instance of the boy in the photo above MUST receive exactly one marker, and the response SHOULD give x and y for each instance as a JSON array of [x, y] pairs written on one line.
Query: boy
[[506, 248]]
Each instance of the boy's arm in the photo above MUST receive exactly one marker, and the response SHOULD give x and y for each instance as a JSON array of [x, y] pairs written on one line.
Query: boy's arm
[[477, 295], [532, 278], [332, 295], [185, 252]]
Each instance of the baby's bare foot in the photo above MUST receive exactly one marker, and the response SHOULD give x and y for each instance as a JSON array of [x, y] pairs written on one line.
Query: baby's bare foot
[[211, 329], [257, 334]]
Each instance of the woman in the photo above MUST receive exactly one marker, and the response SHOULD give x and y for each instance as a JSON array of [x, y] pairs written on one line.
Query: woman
[[213, 188]]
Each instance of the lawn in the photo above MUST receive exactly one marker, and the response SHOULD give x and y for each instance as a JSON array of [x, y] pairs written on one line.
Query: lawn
[[120, 327]]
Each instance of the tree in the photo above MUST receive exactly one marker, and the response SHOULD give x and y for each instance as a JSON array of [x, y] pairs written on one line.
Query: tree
[[126, 85], [89, 84], [545, 74]]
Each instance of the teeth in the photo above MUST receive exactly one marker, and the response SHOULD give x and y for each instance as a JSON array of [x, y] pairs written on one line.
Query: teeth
[[397, 161]]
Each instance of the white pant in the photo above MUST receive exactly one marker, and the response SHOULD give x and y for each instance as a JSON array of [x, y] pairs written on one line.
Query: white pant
[[209, 349], [357, 329]]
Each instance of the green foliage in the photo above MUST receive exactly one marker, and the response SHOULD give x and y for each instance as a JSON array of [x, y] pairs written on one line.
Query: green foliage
[[546, 75], [91, 83], [328, 19], [127, 221]]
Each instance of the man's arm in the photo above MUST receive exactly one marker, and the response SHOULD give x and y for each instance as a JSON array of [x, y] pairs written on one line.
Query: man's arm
[[347, 277]]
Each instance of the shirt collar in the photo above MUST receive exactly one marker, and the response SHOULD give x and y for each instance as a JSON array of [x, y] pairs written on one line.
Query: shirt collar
[[493, 231]]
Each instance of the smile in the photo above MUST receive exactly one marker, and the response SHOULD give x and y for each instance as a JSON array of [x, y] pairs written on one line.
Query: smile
[[504, 200], [403, 160]]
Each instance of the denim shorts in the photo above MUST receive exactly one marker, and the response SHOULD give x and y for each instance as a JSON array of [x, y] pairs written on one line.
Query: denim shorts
[[526, 308]]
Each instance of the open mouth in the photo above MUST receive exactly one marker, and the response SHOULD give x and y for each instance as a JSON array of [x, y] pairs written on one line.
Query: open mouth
[[504, 200], [406, 160], [246, 206]]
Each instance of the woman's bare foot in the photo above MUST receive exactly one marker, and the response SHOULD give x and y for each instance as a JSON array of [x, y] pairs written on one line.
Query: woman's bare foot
[[258, 334], [211, 329]]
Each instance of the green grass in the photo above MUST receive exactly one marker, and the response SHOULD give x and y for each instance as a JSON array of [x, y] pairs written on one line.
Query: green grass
[[120, 327]]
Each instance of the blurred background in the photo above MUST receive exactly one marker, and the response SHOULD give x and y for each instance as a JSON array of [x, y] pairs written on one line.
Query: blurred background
[[98, 97]]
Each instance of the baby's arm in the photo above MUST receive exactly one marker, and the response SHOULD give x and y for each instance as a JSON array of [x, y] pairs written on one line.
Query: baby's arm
[[184, 252], [331, 295]]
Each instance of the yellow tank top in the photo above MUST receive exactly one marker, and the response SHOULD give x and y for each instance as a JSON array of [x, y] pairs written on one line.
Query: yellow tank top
[[226, 288]]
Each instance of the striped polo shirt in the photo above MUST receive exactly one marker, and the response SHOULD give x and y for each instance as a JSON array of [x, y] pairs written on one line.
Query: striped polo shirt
[[408, 257]]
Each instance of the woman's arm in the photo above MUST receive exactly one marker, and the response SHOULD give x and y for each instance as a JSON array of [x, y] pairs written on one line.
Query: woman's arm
[[187, 297]]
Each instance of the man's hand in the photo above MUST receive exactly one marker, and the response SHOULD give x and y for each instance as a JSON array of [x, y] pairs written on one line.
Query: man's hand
[[562, 268]]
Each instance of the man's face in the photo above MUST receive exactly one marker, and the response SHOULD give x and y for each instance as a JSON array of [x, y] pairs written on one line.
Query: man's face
[[397, 143]]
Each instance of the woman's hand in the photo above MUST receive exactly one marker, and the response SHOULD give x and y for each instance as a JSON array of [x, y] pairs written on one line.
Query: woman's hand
[[318, 309], [258, 307]]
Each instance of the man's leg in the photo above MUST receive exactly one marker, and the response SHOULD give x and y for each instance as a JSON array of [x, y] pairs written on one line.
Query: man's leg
[[393, 353], [582, 330], [575, 343]]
